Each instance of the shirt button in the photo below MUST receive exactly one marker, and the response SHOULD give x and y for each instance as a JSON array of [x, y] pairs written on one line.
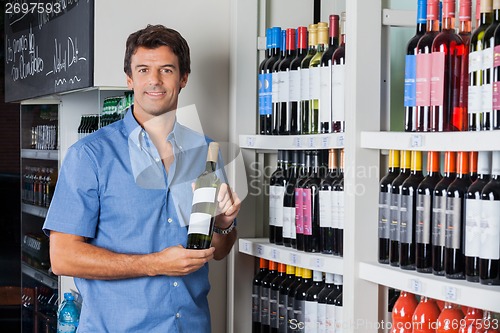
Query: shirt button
[[169, 220], [178, 315], [157, 159], [175, 284], [143, 134]]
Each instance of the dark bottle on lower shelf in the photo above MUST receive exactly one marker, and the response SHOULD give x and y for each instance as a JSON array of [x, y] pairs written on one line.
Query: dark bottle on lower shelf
[[473, 216], [284, 290], [384, 206], [331, 309], [454, 260], [338, 196], [274, 298], [423, 233], [325, 200], [277, 184], [256, 286], [322, 297], [311, 305], [439, 213], [265, 297], [305, 168], [289, 201], [299, 302]]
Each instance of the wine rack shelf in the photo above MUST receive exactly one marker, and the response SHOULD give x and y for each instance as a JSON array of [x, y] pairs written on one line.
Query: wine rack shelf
[[34, 210], [438, 287], [260, 247], [51, 155], [39, 276], [291, 142], [435, 141]]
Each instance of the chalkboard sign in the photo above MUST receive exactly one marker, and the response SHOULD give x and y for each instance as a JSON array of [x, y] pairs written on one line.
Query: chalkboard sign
[[49, 47]]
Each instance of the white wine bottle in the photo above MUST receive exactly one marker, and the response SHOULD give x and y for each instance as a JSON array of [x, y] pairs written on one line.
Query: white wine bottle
[[204, 206]]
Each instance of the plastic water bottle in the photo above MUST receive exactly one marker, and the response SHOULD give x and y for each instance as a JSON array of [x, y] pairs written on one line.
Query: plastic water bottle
[[68, 315]]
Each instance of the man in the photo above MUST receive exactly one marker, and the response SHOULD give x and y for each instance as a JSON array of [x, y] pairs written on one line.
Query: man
[[118, 219]]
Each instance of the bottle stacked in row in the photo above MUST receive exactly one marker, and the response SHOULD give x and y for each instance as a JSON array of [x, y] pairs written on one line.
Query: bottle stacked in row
[[426, 315], [38, 185], [306, 201], [44, 137], [442, 224], [286, 298], [301, 79]]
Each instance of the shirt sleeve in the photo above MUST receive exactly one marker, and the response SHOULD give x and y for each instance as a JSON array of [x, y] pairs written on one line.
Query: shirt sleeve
[[74, 208]]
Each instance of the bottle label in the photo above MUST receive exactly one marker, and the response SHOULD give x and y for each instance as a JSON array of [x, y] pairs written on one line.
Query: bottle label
[[406, 224], [275, 88], [290, 313], [423, 80], [288, 221], [490, 230], [423, 219], [261, 94], [304, 84], [339, 315], [474, 103], [273, 309], [307, 218], [410, 80], [314, 82], [453, 223], [311, 317], [395, 217], [384, 212], [338, 93], [321, 317], [284, 84], [299, 211], [487, 87], [298, 314], [66, 327], [473, 213], [325, 97], [268, 88], [264, 305], [255, 304], [341, 205], [437, 78], [496, 84], [335, 209], [294, 85], [330, 319], [199, 223], [325, 209], [282, 312], [438, 220], [273, 189]]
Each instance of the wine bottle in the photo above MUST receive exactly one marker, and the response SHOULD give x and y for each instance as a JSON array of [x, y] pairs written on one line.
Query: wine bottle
[[263, 119], [256, 286], [476, 65], [266, 121], [489, 256], [311, 216], [338, 80], [300, 209], [410, 69], [276, 84], [265, 296], [407, 226], [284, 78], [326, 204], [451, 313], [473, 217], [454, 260], [305, 78], [204, 205], [425, 190], [473, 166], [319, 121], [488, 65], [274, 298], [291, 298], [277, 185], [439, 213], [299, 304], [384, 204], [295, 82], [495, 112], [284, 290], [311, 305], [425, 316], [339, 312], [289, 201], [322, 297], [447, 55], [333, 33], [402, 312], [459, 117], [331, 319], [396, 207], [338, 210], [423, 66]]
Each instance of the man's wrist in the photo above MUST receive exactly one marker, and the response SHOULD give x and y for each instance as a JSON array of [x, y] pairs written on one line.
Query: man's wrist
[[224, 231]]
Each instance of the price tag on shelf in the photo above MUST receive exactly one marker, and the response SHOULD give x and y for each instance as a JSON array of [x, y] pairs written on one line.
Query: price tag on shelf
[[416, 286], [295, 259], [260, 250], [246, 247], [325, 142], [311, 143], [297, 143], [450, 293], [275, 254], [251, 141], [340, 140], [318, 263], [416, 141]]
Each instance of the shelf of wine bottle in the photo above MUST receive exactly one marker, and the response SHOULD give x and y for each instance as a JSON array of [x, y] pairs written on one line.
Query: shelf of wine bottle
[[39, 275], [34, 210], [260, 247], [438, 287], [40, 154], [432, 141], [290, 142]]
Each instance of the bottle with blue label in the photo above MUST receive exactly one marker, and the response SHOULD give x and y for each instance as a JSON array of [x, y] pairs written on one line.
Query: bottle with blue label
[[68, 315]]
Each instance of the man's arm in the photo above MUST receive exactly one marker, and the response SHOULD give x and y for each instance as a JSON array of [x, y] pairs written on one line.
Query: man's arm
[[71, 255], [229, 206]]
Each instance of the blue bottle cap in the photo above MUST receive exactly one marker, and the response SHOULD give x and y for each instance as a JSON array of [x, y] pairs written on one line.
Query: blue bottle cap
[[69, 297]]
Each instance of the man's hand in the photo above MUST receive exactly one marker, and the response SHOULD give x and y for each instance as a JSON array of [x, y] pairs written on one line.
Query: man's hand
[[229, 206], [178, 261]]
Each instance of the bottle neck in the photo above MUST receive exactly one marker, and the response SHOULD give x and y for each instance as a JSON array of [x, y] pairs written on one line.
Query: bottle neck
[[448, 24]]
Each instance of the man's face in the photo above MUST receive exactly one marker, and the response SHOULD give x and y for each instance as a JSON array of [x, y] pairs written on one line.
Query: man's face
[[156, 81]]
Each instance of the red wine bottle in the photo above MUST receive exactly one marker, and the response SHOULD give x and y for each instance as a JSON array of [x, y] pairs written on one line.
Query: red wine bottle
[[494, 117], [266, 120], [284, 289], [299, 304], [277, 185], [319, 117], [411, 69], [454, 260], [305, 169], [295, 82], [447, 56], [459, 117], [338, 210], [407, 227], [331, 319], [489, 257], [262, 84], [284, 78], [338, 80], [423, 66], [322, 297], [404, 172], [311, 305], [276, 84], [256, 289], [326, 204], [439, 213], [333, 43], [265, 296], [473, 217], [312, 207], [305, 79], [423, 234], [473, 166], [291, 297], [274, 298], [289, 201]]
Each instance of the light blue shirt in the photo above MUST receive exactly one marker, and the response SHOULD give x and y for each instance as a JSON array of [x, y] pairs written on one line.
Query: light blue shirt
[[113, 189]]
